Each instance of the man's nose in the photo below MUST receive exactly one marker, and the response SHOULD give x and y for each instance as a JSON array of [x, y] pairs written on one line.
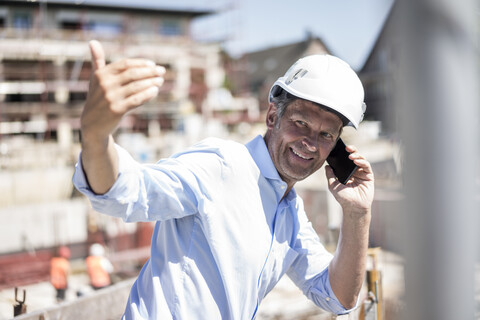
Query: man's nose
[[311, 144]]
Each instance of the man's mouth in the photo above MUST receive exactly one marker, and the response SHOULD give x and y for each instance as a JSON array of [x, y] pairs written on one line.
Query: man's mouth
[[301, 156]]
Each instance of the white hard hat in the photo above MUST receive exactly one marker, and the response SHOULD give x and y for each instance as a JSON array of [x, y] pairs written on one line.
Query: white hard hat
[[326, 80]]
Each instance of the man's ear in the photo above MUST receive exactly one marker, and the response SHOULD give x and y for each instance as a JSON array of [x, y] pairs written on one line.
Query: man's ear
[[271, 119]]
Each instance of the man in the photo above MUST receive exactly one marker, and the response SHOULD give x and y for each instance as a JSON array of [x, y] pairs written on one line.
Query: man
[[229, 223], [99, 267], [59, 270]]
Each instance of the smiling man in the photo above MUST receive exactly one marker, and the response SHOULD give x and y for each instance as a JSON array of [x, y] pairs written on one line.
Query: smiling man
[[300, 141], [229, 223]]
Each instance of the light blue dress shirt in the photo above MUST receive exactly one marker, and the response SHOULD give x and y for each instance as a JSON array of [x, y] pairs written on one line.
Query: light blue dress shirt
[[223, 237]]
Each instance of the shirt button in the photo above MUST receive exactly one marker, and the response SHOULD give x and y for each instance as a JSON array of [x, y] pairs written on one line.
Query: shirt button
[[327, 298]]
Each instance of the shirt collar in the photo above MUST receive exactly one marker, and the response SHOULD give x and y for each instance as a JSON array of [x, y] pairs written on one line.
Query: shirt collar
[[259, 152]]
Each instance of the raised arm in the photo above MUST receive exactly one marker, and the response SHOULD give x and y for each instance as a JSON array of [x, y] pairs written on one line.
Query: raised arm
[[347, 269], [114, 90]]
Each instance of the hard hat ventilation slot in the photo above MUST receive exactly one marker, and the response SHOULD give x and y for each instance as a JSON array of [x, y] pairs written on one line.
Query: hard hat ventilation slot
[[295, 75]]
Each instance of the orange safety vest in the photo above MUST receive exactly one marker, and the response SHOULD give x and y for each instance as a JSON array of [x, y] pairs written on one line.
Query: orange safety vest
[[99, 277], [59, 268]]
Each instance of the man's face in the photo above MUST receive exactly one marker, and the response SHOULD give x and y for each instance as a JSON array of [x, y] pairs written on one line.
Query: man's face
[[301, 140]]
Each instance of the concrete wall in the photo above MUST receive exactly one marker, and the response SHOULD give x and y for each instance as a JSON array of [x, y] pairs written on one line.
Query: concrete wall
[[107, 303], [27, 227], [34, 185]]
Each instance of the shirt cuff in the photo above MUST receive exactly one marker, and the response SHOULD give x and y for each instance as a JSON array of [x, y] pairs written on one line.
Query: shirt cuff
[[333, 301], [80, 181], [326, 299]]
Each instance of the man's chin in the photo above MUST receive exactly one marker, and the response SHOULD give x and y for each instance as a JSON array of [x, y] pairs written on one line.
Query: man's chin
[[296, 177]]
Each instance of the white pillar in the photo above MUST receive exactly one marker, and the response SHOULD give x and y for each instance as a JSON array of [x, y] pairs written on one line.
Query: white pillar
[[438, 103], [181, 68], [61, 90], [2, 96], [64, 135]]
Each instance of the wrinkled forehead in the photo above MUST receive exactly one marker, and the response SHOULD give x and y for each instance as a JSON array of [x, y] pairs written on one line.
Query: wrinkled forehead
[[308, 109]]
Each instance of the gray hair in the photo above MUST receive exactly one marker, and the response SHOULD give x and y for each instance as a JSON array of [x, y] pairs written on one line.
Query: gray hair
[[282, 101]]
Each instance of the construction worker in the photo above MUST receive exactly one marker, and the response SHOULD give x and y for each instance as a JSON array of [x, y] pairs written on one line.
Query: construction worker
[[98, 267], [59, 270], [229, 224]]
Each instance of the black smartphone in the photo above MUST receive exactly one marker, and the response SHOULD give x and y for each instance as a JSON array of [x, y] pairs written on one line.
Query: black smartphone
[[342, 166]]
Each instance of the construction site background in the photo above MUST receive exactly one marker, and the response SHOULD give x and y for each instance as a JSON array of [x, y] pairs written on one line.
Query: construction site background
[[44, 72]]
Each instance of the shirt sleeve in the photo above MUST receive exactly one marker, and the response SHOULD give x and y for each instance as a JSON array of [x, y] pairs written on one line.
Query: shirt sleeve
[[161, 191], [310, 270]]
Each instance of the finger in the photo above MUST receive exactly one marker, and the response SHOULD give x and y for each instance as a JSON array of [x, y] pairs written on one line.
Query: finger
[[133, 63], [330, 176], [364, 174], [139, 98], [98, 55], [139, 73], [362, 163], [356, 155], [361, 172], [141, 85], [351, 148]]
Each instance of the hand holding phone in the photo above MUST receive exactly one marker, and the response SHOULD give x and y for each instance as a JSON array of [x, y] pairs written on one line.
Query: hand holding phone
[[343, 167]]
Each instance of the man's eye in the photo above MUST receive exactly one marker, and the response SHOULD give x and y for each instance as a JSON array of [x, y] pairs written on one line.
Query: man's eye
[[327, 135], [301, 123]]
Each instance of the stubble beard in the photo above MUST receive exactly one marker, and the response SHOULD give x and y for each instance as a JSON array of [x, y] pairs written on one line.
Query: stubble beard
[[294, 172]]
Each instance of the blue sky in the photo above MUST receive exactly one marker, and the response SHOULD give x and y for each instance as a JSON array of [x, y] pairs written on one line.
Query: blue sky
[[349, 28]]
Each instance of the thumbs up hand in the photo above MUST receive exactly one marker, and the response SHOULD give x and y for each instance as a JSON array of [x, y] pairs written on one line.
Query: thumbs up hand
[[114, 90]]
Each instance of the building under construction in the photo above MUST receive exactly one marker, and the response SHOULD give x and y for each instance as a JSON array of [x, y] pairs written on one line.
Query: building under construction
[[44, 75], [45, 61]]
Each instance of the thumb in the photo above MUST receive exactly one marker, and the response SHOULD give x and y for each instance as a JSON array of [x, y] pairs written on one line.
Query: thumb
[[330, 175], [98, 55]]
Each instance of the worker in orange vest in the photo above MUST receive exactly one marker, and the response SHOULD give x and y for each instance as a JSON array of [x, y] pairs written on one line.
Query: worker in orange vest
[[98, 267], [59, 270]]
